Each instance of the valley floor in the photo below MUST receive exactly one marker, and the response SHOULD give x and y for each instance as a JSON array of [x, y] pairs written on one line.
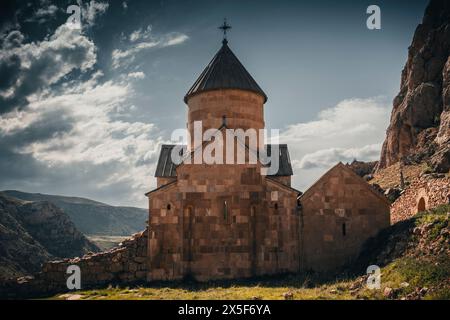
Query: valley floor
[[106, 242]]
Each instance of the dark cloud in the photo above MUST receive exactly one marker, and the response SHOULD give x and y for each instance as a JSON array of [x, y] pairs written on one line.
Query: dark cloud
[[21, 170], [13, 39], [9, 70], [36, 66], [19, 167]]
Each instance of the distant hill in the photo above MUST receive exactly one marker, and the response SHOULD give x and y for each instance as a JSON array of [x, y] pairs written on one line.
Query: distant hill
[[34, 232], [92, 217]]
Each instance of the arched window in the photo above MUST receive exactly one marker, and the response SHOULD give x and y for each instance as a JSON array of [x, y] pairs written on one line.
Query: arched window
[[344, 229], [421, 205], [169, 206], [276, 205]]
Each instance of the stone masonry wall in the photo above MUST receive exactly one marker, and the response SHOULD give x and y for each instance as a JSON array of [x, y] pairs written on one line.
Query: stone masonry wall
[[126, 263], [193, 234], [339, 213], [433, 192], [242, 110]]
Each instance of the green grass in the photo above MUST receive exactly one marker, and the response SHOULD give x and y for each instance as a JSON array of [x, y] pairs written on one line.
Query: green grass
[[233, 292]]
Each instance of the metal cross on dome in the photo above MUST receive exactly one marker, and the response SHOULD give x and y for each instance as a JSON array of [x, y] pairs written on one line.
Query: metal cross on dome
[[224, 28]]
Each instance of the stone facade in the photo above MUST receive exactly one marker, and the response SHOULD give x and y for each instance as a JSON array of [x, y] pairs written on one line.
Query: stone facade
[[223, 221], [424, 193], [241, 109], [338, 214], [227, 221]]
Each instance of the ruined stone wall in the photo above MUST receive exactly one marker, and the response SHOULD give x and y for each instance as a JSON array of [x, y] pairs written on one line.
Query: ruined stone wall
[[426, 192], [339, 213], [126, 263], [201, 236]]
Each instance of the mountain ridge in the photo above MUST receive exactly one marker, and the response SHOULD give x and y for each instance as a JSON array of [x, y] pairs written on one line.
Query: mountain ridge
[[92, 217], [32, 233]]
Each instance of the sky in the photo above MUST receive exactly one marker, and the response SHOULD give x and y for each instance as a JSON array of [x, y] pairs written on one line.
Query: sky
[[83, 112]]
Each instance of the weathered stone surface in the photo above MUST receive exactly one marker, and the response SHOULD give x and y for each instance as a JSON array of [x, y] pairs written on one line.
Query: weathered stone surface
[[339, 213], [426, 192], [363, 169], [419, 128]]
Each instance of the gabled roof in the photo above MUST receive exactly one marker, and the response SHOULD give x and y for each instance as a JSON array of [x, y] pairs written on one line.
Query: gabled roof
[[225, 71], [341, 166], [282, 185], [167, 169]]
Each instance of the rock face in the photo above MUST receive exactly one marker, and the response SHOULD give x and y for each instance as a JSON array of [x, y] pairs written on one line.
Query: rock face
[[34, 232], [420, 121], [363, 169]]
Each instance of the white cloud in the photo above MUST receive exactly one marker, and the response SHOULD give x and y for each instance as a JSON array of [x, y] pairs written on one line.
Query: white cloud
[[136, 75], [353, 129], [77, 134], [92, 10], [95, 139], [141, 34], [176, 39], [40, 64], [123, 57], [44, 13], [326, 158]]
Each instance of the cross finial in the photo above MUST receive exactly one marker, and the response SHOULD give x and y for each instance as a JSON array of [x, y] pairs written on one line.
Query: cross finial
[[224, 28]]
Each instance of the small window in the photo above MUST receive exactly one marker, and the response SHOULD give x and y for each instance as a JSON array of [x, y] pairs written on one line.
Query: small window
[[276, 205], [225, 211], [169, 206], [344, 229]]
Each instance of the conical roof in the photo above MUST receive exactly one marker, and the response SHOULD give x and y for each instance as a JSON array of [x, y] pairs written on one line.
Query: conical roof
[[225, 71]]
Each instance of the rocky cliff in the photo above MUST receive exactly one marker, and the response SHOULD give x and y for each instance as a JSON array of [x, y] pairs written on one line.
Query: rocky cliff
[[420, 121], [32, 233]]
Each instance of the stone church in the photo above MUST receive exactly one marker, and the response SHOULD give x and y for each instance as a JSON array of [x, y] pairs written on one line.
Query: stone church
[[222, 221]]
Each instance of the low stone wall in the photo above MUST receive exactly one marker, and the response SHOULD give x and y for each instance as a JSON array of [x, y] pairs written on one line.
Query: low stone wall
[[426, 192], [126, 263]]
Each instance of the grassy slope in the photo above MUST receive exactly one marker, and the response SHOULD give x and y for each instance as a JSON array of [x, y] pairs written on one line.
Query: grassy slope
[[413, 255], [390, 176]]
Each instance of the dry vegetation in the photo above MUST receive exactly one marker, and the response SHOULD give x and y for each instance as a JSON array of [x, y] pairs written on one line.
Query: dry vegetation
[[390, 176]]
